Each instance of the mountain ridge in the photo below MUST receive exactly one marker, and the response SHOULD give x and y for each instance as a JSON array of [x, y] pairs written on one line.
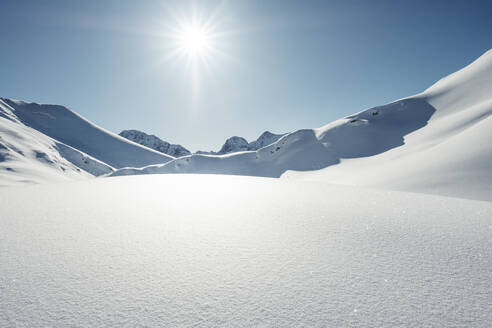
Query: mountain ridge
[[431, 142], [154, 142], [231, 145], [410, 144]]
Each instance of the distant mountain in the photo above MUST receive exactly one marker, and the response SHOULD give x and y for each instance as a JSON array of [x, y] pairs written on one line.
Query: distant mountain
[[155, 143], [236, 144], [266, 138], [232, 145]]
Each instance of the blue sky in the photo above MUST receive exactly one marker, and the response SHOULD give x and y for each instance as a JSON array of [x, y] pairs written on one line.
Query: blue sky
[[278, 65]]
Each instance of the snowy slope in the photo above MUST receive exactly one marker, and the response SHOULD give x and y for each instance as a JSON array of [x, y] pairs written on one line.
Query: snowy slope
[[67, 127], [452, 155], [115, 253], [28, 156], [435, 142], [155, 143]]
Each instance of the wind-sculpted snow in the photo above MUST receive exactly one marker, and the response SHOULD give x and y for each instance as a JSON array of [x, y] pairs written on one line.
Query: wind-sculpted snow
[[67, 127], [192, 251]]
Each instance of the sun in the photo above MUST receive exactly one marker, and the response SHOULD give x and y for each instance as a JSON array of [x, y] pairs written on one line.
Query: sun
[[194, 40]]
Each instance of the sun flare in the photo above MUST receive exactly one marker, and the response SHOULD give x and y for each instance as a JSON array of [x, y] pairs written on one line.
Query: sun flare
[[194, 40]]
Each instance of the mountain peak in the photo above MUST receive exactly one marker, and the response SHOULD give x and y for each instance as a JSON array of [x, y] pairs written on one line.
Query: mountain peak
[[154, 142], [234, 144]]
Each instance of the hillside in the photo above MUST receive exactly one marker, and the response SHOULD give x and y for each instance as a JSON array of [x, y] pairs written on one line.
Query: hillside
[[451, 155], [432, 142], [29, 156], [66, 126], [49, 143]]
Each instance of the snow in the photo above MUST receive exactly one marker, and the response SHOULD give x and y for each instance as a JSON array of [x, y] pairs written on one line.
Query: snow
[[329, 244], [435, 142], [225, 251]]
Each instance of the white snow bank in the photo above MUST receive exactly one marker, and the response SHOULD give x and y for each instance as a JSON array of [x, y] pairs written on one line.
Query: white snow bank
[[182, 251]]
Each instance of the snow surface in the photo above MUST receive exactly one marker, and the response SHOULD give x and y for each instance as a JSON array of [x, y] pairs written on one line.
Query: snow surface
[[435, 142], [193, 251]]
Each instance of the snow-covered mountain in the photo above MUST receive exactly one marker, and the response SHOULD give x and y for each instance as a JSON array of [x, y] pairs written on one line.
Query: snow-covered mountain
[[233, 145], [451, 155], [435, 141], [49, 143], [27, 155], [237, 144], [155, 143], [265, 139]]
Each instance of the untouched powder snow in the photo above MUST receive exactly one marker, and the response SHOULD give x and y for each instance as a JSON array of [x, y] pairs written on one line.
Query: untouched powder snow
[[435, 142], [131, 251]]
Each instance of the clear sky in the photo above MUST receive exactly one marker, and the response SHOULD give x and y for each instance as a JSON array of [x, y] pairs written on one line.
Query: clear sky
[[267, 65]]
